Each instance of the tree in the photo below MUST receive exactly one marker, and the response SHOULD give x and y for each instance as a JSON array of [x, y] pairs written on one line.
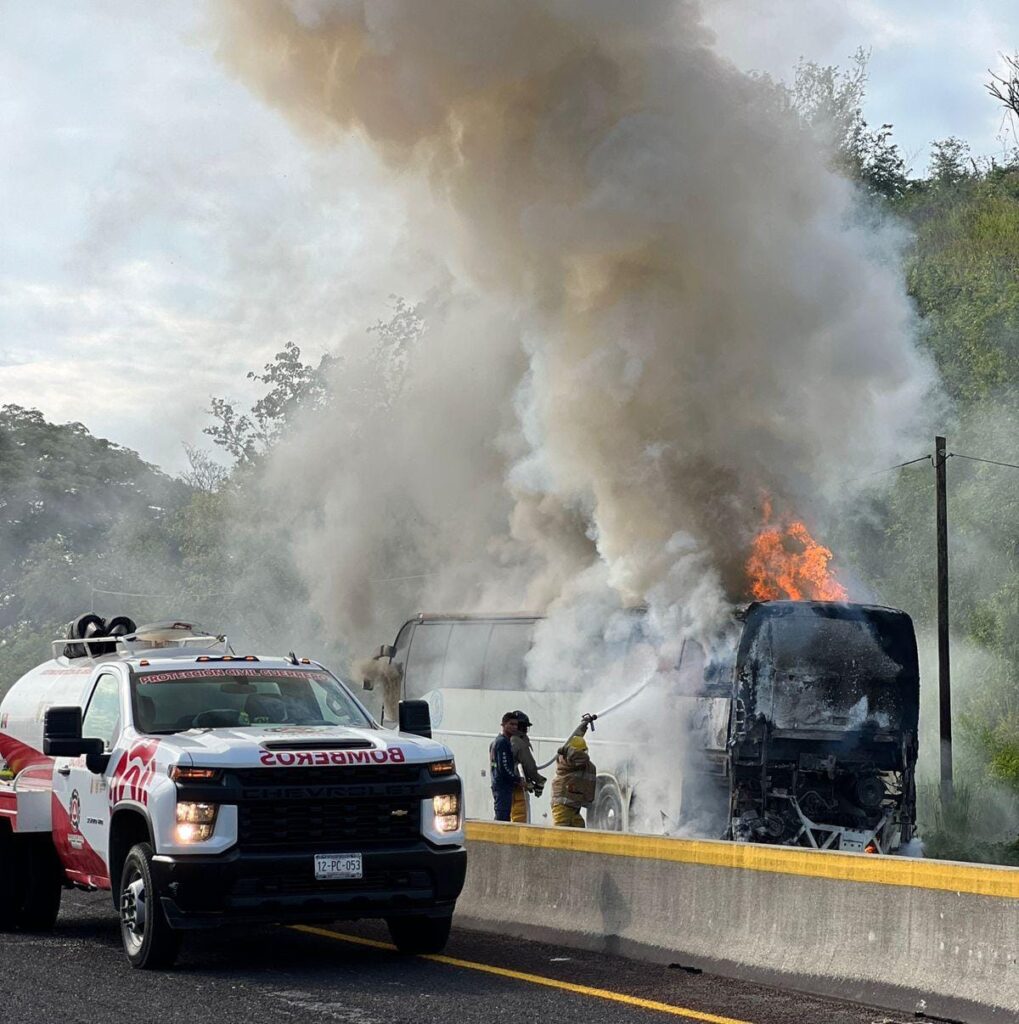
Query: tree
[[203, 472], [296, 387], [880, 166], [293, 386], [1005, 88], [949, 159], [829, 100], [396, 336]]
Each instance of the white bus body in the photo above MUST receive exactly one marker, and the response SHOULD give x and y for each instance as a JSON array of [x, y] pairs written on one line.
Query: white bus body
[[473, 668]]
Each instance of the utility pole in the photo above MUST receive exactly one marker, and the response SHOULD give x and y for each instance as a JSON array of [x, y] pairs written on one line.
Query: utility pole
[[944, 661]]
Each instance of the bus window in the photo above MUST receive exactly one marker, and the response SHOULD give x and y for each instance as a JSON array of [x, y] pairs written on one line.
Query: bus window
[[427, 654], [465, 655], [504, 660]]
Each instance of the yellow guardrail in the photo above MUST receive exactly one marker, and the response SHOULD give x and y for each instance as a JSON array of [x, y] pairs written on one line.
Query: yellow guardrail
[[947, 876]]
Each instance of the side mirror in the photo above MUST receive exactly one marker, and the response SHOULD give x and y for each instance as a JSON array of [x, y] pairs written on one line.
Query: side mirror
[[415, 718], [61, 732], [61, 735], [385, 651]]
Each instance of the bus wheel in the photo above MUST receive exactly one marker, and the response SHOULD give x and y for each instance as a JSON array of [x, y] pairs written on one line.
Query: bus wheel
[[607, 810]]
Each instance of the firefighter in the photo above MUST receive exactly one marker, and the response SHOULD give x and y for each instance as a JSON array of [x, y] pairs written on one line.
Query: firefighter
[[574, 783], [533, 780], [505, 779]]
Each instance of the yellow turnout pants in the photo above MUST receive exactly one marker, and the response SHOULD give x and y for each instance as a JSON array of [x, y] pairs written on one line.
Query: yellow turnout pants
[[520, 811], [569, 816]]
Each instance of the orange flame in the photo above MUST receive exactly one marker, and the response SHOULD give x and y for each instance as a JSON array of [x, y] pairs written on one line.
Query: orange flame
[[786, 562]]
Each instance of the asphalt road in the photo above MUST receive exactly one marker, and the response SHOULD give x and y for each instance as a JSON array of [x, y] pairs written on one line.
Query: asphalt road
[[78, 975]]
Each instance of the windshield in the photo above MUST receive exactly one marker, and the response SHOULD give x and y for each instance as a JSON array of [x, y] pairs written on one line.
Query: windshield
[[211, 697], [817, 667]]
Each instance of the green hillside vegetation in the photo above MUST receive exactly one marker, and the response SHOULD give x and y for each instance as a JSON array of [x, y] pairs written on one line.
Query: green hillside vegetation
[[74, 509], [963, 273]]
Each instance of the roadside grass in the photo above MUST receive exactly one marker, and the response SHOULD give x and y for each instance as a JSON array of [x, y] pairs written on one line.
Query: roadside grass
[[968, 826]]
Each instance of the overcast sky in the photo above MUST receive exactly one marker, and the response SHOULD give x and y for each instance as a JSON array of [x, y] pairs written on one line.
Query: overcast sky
[[164, 233]]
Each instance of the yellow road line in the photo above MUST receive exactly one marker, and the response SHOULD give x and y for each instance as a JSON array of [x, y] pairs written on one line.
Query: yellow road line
[[356, 939], [945, 876], [534, 979]]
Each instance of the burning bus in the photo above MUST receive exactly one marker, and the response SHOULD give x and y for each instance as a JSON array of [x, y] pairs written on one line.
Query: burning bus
[[808, 733], [823, 727]]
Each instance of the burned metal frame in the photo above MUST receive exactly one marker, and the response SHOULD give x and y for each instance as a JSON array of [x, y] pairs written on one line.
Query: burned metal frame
[[823, 729]]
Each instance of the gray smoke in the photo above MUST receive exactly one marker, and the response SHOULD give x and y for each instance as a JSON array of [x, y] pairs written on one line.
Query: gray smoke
[[655, 303]]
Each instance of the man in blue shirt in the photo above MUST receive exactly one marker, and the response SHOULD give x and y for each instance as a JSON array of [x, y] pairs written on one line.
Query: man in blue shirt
[[505, 778]]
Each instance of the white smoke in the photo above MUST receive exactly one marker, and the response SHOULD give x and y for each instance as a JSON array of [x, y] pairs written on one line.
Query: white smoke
[[653, 302]]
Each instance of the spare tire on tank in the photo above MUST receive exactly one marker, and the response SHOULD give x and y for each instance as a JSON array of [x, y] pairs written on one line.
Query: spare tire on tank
[[81, 628], [120, 625]]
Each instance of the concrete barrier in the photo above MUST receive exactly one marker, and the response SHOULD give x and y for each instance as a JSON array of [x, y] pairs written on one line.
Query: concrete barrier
[[930, 937]]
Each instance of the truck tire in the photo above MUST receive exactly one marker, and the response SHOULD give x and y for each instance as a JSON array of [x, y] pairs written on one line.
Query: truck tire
[[420, 934], [10, 878], [44, 885], [149, 941]]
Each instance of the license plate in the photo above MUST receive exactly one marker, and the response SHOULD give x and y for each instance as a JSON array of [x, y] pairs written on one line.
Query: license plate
[[338, 865]]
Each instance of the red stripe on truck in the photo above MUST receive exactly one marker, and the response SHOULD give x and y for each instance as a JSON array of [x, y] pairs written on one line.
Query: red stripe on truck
[[80, 860], [20, 755]]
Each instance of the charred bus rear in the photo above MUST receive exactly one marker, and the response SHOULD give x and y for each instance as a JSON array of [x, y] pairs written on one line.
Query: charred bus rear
[[823, 733]]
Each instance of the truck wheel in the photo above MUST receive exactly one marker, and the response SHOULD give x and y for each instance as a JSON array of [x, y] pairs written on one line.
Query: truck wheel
[[44, 886], [149, 941], [10, 879], [420, 934]]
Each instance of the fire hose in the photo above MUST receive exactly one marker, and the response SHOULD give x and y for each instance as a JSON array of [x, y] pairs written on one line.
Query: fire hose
[[589, 720]]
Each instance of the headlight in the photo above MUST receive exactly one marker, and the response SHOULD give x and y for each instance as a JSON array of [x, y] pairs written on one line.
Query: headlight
[[195, 822], [442, 768], [447, 812], [185, 773]]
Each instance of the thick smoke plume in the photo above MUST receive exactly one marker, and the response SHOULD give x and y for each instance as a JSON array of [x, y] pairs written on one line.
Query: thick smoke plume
[[655, 303]]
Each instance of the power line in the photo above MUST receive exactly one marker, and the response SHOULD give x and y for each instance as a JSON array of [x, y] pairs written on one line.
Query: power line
[[889, 469], [399, 579], [125, 593], [930, 459], [154, 597], [901, 465], [974, 458]]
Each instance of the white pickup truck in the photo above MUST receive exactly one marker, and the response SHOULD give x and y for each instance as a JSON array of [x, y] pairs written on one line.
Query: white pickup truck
[[201, 787]]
